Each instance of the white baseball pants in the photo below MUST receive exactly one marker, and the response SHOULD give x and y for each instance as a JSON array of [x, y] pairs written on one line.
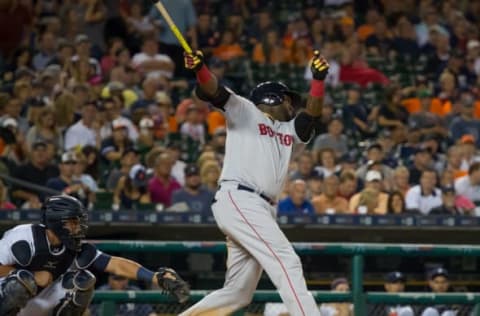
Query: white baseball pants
[[255, 243]]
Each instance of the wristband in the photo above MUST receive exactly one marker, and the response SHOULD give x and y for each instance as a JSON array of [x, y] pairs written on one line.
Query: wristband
[[145, 275], [317, 88], [203, 74]]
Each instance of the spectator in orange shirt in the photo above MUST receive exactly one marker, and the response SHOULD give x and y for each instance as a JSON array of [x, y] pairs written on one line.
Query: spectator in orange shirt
[[270, 50], [454, 161], [229, 47], [367, 29], [329, 202]]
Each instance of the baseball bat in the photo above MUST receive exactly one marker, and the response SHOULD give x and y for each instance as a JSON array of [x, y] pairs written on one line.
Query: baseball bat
[[163, 11]]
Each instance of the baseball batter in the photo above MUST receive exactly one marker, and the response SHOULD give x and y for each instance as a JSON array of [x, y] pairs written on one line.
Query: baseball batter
[[260, 135]]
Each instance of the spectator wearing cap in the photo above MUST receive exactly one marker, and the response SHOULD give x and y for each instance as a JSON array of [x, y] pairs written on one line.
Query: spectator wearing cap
[[80, 174], [453, 204], [82, 53], [438, 281], [334, 138], [65, 182], [304, 167], [37, 170], [131, 190], [329, 202], [454, 162], [465, 123], [422, 161], [12, 109], [120, 283], [83, 132], [46, 51], [469, 185], [370, 197], [193, 196], [469, 150], [129, 159], [296, 203], [113, 112], [338, 309], [194, 125], [146, 137], [45, 130], [113, 147], [395, 283], [152, 63], [162, 185], [355, 114], [375, 157], [423, 197]]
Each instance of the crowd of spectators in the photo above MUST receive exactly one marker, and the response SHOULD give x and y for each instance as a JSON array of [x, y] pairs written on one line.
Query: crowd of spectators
[[95, 102]]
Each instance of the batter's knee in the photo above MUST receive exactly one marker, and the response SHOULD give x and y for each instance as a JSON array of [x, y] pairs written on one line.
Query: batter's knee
[[79, 287], [15, 292]]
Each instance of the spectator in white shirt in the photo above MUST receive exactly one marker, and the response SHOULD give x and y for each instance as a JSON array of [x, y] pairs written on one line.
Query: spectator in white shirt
[[469, 185], [83, 133], [425, 196], [150, 62]]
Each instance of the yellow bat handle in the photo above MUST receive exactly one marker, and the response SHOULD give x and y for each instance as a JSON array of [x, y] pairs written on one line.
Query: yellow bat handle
[[173, 27]]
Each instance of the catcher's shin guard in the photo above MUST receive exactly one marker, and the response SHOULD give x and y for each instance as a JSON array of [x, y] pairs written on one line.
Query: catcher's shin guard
[[15, 292], [79, 287]]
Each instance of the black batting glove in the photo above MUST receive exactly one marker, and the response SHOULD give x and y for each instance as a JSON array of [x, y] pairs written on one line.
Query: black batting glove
[[319, 66]]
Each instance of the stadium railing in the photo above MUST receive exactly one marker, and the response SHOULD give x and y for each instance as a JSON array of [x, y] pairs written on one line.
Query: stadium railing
[[357, 251]]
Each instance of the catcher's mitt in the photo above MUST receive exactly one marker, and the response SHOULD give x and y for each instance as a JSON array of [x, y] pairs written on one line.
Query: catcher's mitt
[[171, 282]]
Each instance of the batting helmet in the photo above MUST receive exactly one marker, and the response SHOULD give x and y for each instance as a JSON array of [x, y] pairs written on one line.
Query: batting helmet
[[273, 94]]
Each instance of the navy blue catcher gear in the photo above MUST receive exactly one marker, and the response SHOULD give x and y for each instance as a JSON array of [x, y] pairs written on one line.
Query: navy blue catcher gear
[[15, 292], [273, 94], [59, 208]]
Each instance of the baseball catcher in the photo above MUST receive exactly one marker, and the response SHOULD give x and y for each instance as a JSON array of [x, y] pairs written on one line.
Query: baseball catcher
[[48, 268]]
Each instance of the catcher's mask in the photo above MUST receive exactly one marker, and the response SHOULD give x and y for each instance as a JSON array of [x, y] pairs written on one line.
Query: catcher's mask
[[56, 211], [273, 94]]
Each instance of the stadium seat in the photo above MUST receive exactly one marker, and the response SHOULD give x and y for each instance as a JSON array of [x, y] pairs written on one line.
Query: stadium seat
[[104, 200]]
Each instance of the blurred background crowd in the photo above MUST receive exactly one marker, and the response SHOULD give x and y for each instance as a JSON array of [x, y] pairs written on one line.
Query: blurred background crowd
[[95, 102]]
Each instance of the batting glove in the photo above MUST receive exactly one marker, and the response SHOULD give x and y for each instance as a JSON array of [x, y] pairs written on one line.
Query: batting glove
[[319, 66], [194, 60]]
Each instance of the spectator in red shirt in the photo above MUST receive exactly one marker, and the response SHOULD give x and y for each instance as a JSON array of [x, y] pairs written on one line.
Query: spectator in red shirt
[[162, 185]]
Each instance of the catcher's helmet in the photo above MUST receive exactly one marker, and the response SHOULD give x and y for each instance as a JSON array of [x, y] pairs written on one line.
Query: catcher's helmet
[[59, 208], [273, 94]]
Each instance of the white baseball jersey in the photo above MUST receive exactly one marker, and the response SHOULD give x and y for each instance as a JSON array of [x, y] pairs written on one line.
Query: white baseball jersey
[[258, 150]]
